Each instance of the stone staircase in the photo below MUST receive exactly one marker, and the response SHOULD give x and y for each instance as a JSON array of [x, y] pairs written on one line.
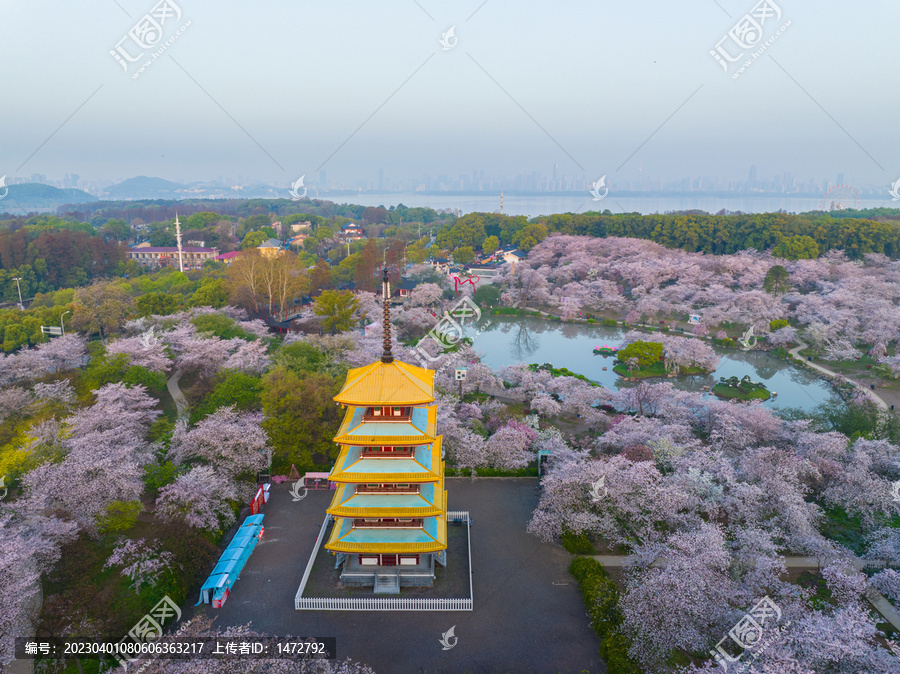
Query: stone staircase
[[387, 581]]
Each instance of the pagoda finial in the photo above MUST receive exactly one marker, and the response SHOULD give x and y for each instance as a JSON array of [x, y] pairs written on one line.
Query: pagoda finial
[[386, 357]]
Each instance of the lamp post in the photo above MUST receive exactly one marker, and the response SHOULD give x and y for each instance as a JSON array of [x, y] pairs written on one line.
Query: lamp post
[[62, 323], [21, 306]]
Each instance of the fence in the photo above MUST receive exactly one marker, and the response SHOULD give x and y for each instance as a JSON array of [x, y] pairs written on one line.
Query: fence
[[382, 604], [302, 603]]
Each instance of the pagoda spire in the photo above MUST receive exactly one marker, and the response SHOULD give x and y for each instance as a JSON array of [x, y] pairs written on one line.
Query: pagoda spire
[[386, 357]]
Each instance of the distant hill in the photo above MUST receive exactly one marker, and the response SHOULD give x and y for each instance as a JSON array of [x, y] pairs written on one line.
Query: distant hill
[[143, 187], [39, 197]]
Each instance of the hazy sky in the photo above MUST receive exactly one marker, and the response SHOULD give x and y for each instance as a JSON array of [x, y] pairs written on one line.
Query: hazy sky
[[275, 89]]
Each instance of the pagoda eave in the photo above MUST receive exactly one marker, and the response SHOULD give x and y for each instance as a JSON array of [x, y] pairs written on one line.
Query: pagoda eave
[[392, 440], [437, 542], [362, 478], [385, 512]]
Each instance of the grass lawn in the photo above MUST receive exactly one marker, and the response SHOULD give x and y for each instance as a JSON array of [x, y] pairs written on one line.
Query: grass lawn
[[658, 369], [732, 393]]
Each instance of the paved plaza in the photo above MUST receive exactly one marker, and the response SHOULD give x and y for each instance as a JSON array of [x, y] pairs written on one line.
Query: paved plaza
[[528, 614]]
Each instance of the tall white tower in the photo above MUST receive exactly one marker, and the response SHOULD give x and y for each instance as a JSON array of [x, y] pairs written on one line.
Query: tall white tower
[[178, 239]]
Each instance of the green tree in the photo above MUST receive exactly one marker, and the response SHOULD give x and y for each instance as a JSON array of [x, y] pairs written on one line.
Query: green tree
[[796, 248], [253, 223], [345, 271], [253, 240], [231, 388], [490, 245], [486, 296], [416, 253], [211, 293], [336, 309], [463, 255], [108, 369], [530, 236], [201, 220], [116, 228], [646, 353], [159, 304], [14, 336], [220, 326], [101, 307], [119, 516], [301, 419], [777, 280]]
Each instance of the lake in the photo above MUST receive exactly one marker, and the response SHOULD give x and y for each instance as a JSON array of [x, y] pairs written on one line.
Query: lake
[[510, 340]]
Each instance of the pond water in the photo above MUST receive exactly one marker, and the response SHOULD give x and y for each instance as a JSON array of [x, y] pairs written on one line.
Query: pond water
[[511, 339]]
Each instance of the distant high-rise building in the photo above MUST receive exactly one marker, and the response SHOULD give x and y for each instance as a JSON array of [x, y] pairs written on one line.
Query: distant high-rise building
[[751, 180], [840, 178], [380, 179]]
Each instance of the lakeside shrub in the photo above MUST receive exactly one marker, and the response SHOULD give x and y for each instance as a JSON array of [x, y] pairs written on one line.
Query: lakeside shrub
[[577, 544], [601, 599]]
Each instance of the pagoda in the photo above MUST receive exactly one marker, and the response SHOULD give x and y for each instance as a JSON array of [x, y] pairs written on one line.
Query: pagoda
[[390, 506]]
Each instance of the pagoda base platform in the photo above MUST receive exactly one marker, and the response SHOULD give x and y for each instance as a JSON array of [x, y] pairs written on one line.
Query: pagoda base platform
[[355, 574]]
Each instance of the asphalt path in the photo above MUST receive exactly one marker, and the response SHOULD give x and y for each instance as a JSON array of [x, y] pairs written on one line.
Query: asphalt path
[[528, 617]]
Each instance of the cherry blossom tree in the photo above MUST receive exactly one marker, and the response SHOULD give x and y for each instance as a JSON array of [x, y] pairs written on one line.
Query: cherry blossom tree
[[783, 336], [463, 445], [60, 392], [31, 546], [510, 447], [146, 351], [106, 453], [524, 286], [200, 498], [142, 562], [58, 355], [887, 582], [694, 579], [63, 353], [13, 400], [426, 295], [232, 442], [205, 356], [247, 356]]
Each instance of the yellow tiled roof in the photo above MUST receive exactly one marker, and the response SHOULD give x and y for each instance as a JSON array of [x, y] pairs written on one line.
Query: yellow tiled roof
[[394, 383], [344, 493], [387, 548], [348, 434], [352, 473]]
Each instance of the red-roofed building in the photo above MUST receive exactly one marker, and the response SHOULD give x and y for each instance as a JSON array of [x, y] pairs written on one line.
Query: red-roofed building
[[192, 257], [227, 258]]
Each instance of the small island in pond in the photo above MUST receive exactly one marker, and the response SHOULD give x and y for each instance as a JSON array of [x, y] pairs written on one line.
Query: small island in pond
[[741, 389], [668, 357]]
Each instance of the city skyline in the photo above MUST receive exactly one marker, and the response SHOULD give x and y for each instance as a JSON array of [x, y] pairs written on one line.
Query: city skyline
[[534, 182]]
